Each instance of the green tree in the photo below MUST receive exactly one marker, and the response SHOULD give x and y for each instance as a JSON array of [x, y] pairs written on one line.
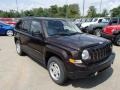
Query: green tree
[[115, 12], [38, 11], [91, 12], [105, 13], [53, 11], [46, 13], [28, 13], [73, 11]]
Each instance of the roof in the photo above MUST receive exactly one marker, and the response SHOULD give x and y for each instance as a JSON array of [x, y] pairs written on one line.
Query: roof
[[45, 18]]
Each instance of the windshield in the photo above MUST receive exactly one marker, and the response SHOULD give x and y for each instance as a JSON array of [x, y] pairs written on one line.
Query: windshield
[[106, 20], [94, 20], [61, 27], [89, 20], [83, 20]]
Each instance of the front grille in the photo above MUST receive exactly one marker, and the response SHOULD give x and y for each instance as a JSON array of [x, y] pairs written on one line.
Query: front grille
[[100, 52]]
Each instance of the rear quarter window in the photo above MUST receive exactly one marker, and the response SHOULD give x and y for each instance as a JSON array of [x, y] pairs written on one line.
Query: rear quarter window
[[26, 25], [19, 25]]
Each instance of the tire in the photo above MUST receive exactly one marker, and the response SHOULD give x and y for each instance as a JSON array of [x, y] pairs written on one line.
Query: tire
[[18, 48], [117, 40], [97, 32], [56, 66], [9, 33]]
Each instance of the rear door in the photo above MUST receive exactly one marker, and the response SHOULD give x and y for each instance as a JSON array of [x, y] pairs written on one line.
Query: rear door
[[23, 34], [36, 40]]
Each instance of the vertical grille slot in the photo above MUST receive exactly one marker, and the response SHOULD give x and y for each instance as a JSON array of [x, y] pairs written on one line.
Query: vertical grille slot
[[99, 53]]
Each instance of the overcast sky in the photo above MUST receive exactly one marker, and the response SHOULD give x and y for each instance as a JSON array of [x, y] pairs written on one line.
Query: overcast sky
[[28, 4]]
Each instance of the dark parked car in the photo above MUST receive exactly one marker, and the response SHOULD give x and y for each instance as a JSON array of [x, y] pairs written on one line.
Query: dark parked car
[[6, 29], [59, 45], [96, 28]]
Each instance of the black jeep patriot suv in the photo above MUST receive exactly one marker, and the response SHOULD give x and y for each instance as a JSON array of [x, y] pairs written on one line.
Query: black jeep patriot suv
[[62, 48]]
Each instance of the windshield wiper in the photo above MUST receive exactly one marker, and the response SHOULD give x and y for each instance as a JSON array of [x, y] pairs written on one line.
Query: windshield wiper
[[75, 33], [60, 34], [65, 34]]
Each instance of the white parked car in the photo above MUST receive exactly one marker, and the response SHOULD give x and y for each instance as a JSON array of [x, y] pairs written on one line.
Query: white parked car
[[94, 21]]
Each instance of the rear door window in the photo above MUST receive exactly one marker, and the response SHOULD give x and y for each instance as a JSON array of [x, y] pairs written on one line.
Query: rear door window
[[26, 25], [19, 25], [35, 27]]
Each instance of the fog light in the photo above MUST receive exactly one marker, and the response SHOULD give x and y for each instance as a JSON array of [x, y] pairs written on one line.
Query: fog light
[[75, 61]]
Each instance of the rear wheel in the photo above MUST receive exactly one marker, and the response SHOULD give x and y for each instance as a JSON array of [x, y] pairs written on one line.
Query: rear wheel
[[18, 48], [117, 40], [9, 33], [97, 32], [57, 70]]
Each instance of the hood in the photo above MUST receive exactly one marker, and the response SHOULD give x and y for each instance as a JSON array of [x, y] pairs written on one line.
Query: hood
[[115, 26], [110, 29], [77, 42], [87, 24]]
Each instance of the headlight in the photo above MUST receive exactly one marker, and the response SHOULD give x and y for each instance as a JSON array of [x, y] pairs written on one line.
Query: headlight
[[85, 55]]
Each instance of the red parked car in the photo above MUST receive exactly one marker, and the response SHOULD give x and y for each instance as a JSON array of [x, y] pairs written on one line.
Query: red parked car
[[112, 31], [10, 21]]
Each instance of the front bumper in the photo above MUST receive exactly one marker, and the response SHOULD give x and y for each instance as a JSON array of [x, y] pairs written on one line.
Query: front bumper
[[83, 29], [86, 71], [107, 36]]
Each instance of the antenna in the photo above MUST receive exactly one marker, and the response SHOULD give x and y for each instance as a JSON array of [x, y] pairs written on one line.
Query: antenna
[[17, 5], [83, 7], [66, 9], [100, 6]]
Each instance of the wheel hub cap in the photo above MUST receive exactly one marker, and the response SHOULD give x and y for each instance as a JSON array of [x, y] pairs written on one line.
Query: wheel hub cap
[[9, 33], [118, 42], [98, 33], [54, 71], [18, 47]]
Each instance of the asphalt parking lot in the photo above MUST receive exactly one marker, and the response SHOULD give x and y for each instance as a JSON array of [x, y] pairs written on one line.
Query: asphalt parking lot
[[22, 73]]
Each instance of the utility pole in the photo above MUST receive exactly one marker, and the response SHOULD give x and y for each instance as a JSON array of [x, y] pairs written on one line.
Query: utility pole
[[66, 9], [83, 7], [100, 6], [17, 5]]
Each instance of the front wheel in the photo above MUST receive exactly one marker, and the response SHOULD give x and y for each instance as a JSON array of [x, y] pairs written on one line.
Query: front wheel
[[9, 33], [18, 48], [97, 32], [57, 70], [117, 40]]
